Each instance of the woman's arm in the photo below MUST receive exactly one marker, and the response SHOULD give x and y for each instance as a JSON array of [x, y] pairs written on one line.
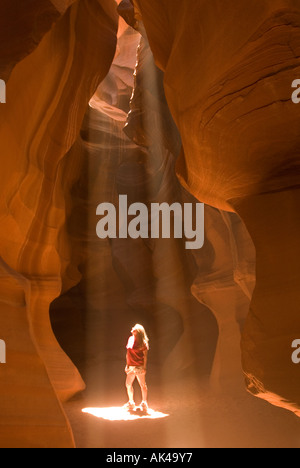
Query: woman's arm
[[145, 359]]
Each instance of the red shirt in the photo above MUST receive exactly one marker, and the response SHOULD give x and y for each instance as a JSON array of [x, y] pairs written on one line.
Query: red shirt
[[135, 353]]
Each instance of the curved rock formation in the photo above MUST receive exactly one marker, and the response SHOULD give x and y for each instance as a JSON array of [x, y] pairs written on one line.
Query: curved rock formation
[[47, 95], [31, 21], [156, 274], [227, 81], [129, 280], [228, 74]]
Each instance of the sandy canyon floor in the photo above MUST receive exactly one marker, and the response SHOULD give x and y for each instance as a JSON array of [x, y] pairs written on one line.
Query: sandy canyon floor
[[190, 415]]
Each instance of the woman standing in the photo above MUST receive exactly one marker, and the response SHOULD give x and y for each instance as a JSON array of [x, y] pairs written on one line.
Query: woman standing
[[136, 365]]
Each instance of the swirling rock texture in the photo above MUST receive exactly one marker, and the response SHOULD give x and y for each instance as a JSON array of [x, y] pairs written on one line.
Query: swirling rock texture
[[129, 280], [50, 79], [132, 149], [224, 278], [228, 74], [71, 140], [32, 22]]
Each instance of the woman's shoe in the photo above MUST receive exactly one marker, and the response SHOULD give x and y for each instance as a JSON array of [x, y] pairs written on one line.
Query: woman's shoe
[[129, 406], [144, 407]]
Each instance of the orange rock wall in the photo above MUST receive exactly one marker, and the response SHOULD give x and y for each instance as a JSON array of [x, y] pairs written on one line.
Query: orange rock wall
[[64, 60], [228, 75]]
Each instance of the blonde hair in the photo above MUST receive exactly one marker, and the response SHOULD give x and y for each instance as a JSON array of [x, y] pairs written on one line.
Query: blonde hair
[[142, 337]]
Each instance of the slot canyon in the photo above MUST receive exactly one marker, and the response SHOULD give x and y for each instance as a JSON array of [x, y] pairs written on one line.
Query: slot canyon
[[164, 101]]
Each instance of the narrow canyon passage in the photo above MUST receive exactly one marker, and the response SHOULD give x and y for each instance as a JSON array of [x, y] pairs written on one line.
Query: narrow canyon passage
[[187, 107]]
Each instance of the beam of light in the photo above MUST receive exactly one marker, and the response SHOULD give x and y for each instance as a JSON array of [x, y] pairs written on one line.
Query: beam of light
[[108, 147], [117, 413]]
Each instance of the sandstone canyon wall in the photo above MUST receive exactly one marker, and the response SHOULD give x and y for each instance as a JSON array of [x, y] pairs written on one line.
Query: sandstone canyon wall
[[228, 74], [54, 55], [193, 303], [86, 120]]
